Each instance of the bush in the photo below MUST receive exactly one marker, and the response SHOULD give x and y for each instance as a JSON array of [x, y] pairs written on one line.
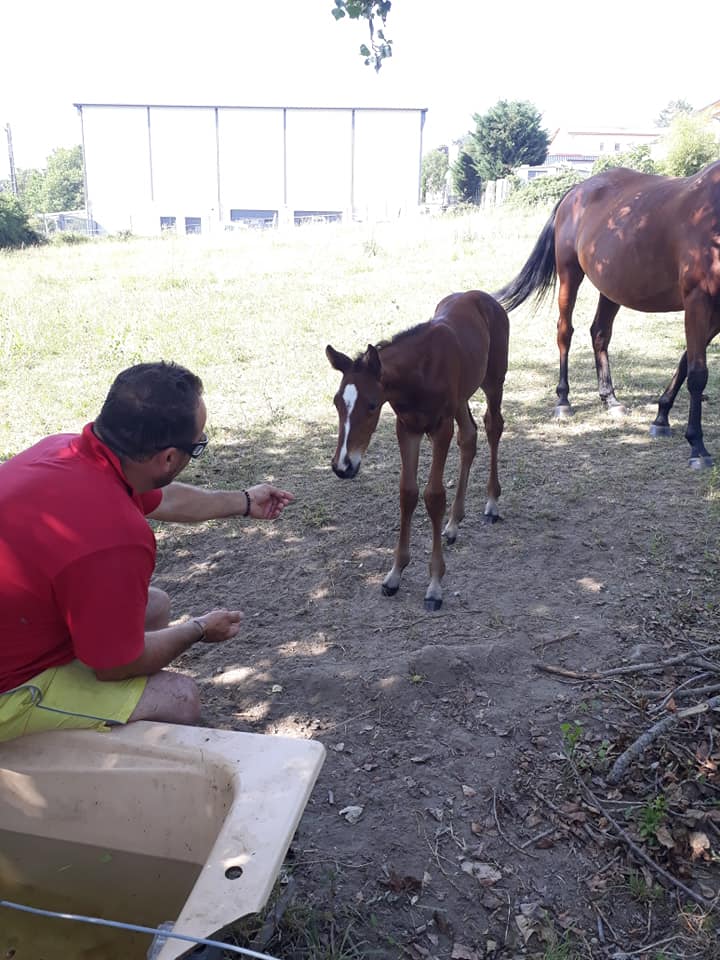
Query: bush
[[544, 189], [636, 159], [15, 231], [691, 145]]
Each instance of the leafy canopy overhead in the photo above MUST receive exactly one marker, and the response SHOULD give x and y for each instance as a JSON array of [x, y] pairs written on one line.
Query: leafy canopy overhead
[[507, 136], [375, 12]]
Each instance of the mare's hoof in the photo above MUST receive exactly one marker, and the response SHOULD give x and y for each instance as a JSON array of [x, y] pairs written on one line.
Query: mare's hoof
[[617, 410], [389, 591], [489, 518], [432, 605], [660, 430], [563, 411], [700, 463]]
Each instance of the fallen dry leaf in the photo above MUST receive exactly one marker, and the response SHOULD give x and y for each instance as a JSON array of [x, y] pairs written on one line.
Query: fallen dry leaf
[[665, 837], [699, 843], [485, 874], [352, 814], [462, 952]]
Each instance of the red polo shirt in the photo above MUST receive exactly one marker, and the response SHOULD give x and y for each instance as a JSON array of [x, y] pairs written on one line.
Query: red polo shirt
[[76, 557]]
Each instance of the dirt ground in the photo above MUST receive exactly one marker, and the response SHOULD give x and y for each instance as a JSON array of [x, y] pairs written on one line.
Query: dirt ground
[[477, 837]]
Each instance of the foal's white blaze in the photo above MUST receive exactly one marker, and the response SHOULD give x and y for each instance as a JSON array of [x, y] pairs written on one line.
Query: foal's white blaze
[[349, 397]]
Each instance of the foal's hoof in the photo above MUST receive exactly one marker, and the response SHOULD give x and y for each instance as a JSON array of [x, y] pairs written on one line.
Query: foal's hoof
[[389, 591], [489, 518], [431, 604], [450, 538], [563, 411], [660, 430], [700, 463]]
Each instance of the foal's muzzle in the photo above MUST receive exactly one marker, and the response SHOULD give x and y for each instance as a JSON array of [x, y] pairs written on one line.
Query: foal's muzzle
[[347, 472]]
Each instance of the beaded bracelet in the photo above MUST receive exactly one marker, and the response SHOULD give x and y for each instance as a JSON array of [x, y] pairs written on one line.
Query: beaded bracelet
[[249, 503]]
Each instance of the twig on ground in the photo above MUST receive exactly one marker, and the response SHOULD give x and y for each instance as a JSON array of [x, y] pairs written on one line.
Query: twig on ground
[[682, 694], [505, 837], [698, 898], [651, 946], [652, 667], [272, 921], [560, 639], [679, 691], [644, 740], [538, 836]]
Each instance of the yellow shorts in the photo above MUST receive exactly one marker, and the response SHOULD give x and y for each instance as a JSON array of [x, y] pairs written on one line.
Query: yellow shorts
[[67, 698]]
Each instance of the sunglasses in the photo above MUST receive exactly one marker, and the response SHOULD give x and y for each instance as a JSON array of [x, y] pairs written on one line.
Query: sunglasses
[[194, 450]]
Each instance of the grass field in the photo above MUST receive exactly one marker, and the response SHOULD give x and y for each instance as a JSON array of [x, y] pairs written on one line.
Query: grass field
[[252, 312]]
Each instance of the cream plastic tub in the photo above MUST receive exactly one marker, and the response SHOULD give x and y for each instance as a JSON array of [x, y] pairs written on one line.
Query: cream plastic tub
[[227, 801]]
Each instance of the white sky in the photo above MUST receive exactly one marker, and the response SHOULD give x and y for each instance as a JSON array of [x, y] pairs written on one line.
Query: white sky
[[616, 63]]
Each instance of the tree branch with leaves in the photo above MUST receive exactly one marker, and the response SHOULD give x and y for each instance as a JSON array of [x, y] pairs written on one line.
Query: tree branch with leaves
[[375, 12]]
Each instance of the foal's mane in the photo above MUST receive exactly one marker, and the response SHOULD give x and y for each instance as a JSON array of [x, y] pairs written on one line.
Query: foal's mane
[[403, 335]]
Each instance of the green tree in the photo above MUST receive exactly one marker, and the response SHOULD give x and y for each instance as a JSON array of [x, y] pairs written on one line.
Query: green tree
[[465, 177], [375, 12], [64, 188], [31, 189], [668, 113], [507, 136], [691, 145], [15, 231], [433, 178], [58, 187], [638, 158]]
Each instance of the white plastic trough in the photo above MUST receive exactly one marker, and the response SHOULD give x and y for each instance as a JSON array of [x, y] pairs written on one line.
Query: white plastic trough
[[211, 797]]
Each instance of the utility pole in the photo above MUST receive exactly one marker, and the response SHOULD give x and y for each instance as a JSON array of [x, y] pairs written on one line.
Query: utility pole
[[11, 159]]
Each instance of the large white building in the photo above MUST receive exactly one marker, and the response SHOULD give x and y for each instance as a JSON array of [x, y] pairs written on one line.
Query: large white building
[[198, 169]]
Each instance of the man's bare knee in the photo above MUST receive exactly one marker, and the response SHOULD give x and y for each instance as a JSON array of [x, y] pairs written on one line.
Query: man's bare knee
[[157, 612], [169, 698]]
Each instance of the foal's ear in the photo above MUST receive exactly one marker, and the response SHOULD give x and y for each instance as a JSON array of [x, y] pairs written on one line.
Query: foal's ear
[[373, 361], [338, 360]]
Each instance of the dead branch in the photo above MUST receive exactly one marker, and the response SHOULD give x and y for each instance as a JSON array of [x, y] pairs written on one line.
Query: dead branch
[[660, 871], [644, 740], [504, 835], [652, 667]]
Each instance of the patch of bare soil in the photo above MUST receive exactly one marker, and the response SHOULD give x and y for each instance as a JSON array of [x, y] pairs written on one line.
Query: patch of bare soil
[[465, 808]]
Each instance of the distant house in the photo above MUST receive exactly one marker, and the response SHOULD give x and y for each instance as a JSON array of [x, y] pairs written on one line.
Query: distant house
[[578, 148], [711, 112], [197, 169]]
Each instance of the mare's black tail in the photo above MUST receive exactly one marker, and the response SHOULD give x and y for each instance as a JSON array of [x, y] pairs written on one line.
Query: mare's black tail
[[538, 275]]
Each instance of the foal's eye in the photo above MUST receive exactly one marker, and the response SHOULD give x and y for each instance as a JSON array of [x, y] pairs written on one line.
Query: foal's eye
[[372, 407]]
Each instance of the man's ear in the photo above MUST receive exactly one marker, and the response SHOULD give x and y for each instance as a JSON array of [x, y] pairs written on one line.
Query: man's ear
[[338, 360]]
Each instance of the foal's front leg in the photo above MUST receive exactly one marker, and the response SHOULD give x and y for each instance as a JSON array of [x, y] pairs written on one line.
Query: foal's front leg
[[435, 501], [409, 453]]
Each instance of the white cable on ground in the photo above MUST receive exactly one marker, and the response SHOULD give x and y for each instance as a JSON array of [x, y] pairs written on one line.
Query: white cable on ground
[[168, 934]]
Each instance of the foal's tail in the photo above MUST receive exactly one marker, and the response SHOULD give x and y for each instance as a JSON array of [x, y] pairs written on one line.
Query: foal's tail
[[538, 275]]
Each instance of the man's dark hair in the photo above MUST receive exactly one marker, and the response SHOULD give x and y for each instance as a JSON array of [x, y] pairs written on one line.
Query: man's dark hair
[[150, 406]]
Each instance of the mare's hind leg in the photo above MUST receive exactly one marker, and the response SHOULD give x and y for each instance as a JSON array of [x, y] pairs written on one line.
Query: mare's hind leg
[[660, 426], [467, 442], [570, 276], [409, 453], [600, 334], [702, 323], [434, 496], [494, 425]]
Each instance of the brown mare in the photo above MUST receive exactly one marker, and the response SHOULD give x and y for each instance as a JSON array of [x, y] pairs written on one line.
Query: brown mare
[[427, 375], [646, 242]]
